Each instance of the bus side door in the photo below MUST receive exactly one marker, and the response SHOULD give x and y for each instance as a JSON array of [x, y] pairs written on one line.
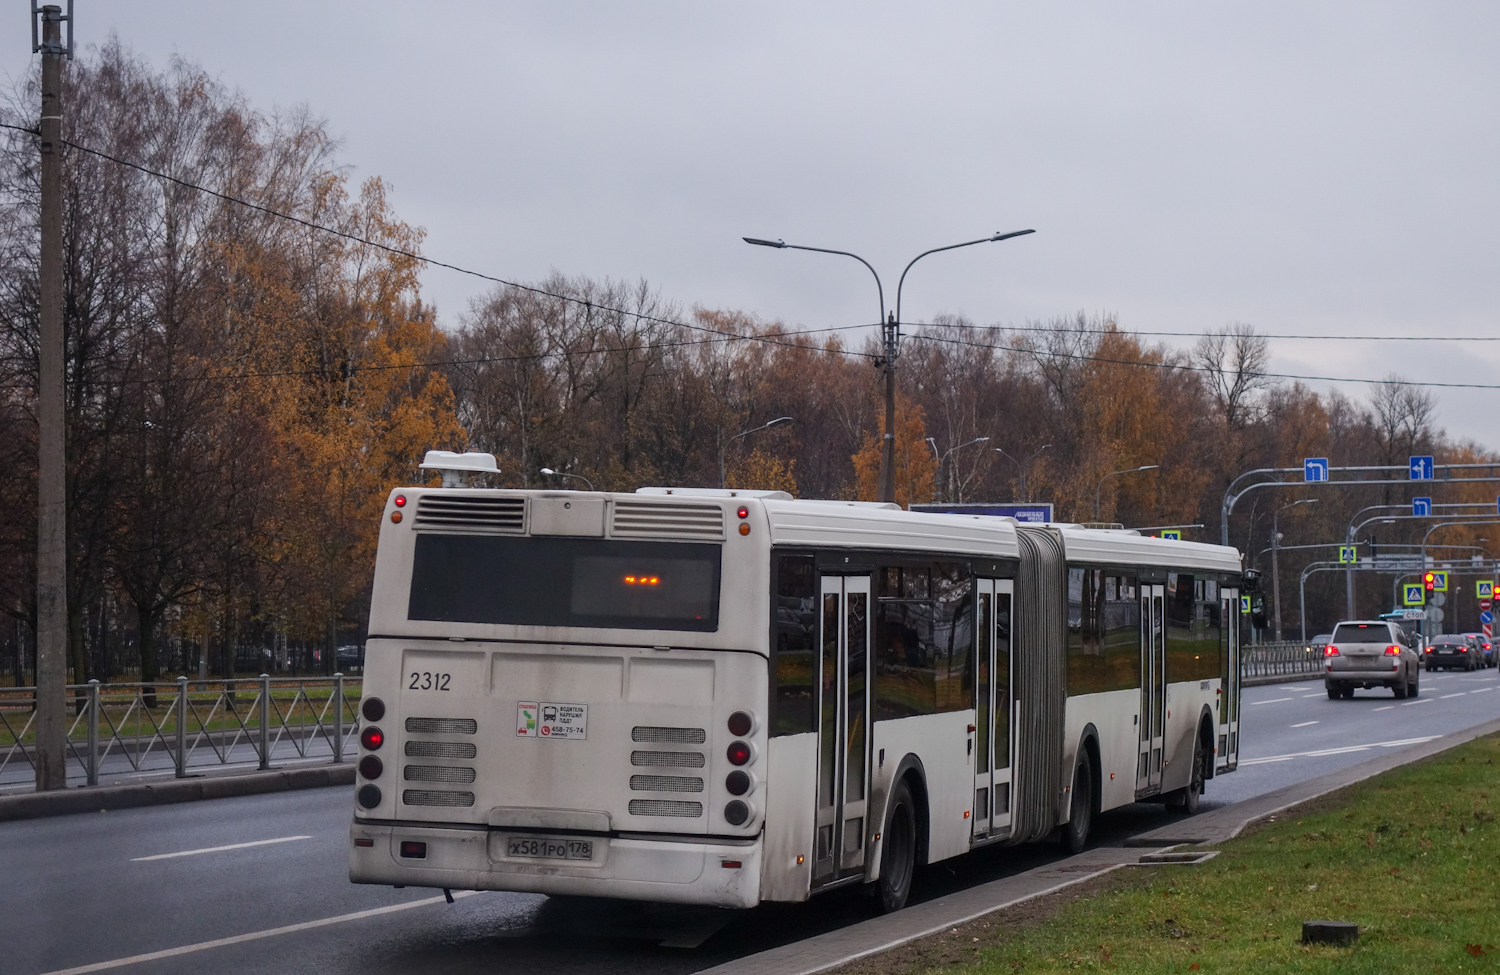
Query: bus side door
[[993, 714], [1153, 688], [843, 729]]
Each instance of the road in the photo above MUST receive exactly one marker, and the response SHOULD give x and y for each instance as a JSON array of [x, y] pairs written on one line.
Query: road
[[92, 889]]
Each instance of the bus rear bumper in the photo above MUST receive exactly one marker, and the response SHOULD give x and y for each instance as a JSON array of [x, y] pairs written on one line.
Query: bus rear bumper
[[719, 873]]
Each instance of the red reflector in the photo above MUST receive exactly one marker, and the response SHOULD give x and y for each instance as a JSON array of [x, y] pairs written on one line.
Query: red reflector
[[412, 850], [364, 843], [743, 512], [400, 500], [730, 864]]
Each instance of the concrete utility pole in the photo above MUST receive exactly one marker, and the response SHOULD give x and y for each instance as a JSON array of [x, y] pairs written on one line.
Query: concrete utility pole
[[52, 497]]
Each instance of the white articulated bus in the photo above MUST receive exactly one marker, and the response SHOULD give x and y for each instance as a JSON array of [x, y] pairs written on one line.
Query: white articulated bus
[[728, 697]]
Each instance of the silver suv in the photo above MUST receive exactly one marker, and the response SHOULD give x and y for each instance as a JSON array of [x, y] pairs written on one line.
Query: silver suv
[[1370, 653]]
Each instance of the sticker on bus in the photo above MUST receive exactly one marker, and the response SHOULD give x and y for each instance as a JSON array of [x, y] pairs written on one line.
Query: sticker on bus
[[526, 712], [566, 721]]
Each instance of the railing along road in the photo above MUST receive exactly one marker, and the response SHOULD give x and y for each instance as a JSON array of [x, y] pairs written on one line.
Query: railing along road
[[186, 724], [1266, 663]]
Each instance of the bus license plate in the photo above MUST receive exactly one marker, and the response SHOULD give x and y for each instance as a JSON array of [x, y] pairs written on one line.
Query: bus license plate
[[545, 849]]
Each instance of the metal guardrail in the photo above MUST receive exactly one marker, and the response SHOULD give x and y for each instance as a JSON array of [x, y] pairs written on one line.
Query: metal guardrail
[[1265, 663], [187, 724]]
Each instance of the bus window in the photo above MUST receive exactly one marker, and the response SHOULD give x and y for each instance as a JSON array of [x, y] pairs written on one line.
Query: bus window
[[550, 581], [796, 633]]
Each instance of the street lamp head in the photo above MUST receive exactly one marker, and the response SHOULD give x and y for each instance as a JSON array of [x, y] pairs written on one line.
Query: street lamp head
[[1148, 467], [1013, 233], [779, 421], [549, 471], [764, 243], [981, 439]]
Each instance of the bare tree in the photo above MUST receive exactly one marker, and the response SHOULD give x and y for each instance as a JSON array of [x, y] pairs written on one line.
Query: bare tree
[[1234, 361]]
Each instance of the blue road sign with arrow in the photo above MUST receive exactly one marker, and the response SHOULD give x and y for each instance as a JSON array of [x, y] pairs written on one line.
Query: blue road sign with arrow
[[1421, 467], [1315, 469], [1422, 507], [1486, 617]]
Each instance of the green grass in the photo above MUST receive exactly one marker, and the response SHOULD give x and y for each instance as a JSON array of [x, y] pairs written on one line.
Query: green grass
[[1412, 857]]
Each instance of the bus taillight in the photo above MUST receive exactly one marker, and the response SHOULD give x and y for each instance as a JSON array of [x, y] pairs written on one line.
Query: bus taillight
[[740, 724], [372, 738], [739, 753]]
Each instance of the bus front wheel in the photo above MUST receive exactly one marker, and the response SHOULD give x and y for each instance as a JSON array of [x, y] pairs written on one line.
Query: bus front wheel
[[898, 855]]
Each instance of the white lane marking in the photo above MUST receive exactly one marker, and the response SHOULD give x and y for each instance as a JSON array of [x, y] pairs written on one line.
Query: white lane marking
[[1446, 696], [219, 849], [255, 935], [1304, 724], [1425, 700], [1337, 751], [1274, 700], [1481, 690], [1386, 708]]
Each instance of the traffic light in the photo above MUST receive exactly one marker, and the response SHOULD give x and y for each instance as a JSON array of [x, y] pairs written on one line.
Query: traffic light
[[1258, 610], [1429, 581]]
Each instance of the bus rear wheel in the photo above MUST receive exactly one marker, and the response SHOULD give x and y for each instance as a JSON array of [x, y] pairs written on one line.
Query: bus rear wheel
[[898, 854], [1075, 833]]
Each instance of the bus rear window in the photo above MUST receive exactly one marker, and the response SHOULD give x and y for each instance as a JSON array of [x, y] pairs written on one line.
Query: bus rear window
[[552, 581]]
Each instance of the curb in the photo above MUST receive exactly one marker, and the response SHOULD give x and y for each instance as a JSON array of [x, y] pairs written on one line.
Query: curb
[[65, 802], [1262, 681], [834, 949]]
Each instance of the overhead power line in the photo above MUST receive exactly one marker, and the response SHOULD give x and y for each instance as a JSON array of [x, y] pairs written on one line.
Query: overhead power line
[[402, 252], [732, 336], [1021, 350], [1048, 329]]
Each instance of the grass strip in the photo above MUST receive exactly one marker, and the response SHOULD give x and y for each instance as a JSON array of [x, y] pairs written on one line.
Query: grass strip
[[1412, 856]]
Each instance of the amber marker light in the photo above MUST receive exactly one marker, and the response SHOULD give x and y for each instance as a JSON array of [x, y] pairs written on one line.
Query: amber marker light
[[396, 517], [744, 529]]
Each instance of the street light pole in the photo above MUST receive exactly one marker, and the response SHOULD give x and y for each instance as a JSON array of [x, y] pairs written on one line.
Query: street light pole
[[1023, 469], [577, 477], [942, 464], [1275, 564], [745, 433], [890, 335], [1098, 491]]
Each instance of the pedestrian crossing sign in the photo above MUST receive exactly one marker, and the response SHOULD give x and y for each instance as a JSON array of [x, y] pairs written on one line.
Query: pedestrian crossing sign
[[1484, 589], [1440, 582], [1172, 534], [1415, 593], [1244, 604], [1348, 553]]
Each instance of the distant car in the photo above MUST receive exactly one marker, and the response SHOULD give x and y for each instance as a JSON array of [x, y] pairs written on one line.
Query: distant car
[[1320, 641], [1449, 650], [1370, 653], [1486, 647], [350, 659]]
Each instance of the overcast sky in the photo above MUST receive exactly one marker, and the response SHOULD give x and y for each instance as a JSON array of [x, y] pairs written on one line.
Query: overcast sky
[[1312, 169]]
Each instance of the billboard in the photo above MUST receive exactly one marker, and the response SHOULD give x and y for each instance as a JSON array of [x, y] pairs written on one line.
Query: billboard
[[1027, 514]]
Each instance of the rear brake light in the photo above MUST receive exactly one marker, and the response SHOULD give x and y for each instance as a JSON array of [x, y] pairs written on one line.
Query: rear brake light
[[1330, 651], [413, 850], [1463, 649], [738, 753], [1392, 650], [372, 738]]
